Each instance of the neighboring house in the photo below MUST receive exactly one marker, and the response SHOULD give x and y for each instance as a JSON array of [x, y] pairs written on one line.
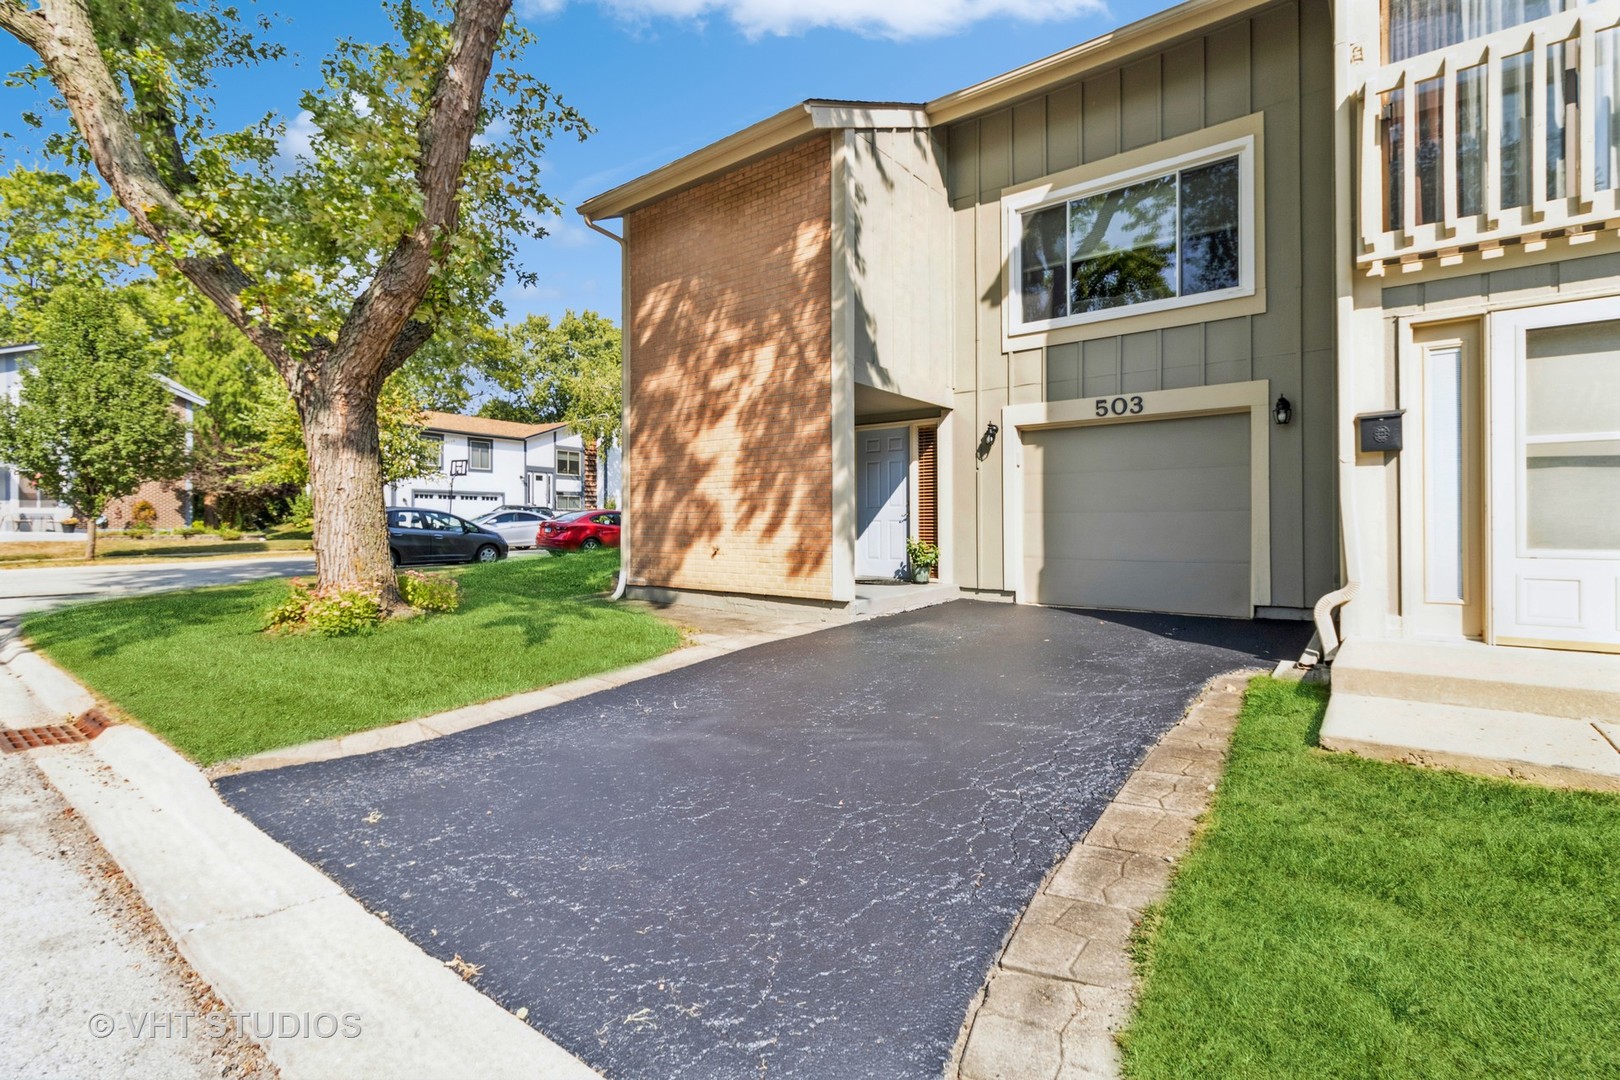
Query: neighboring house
[[23, 509], [1103, 326], [509, 463]]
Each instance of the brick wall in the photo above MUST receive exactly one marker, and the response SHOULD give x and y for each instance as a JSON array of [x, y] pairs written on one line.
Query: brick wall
[[730, 381], [168, 499]]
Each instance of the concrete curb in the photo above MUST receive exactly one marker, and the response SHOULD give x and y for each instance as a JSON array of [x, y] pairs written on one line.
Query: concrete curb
[[273, 936], [1064, 985]]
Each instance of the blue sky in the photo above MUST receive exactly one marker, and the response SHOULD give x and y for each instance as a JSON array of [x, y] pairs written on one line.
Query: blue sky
[[659, 78]]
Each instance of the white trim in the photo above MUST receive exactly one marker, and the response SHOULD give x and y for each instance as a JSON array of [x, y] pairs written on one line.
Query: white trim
[[1016, 205], [1251, 397], [841, 372], [180, 391]]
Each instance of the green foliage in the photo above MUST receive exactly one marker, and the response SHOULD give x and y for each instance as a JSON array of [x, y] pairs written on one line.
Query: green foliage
[[91, 422], [300, 512], [430, 592], [921, 555], [230, 534], [570, 371], [1350, 918], [56, 230], [143, 515], [324, 612]]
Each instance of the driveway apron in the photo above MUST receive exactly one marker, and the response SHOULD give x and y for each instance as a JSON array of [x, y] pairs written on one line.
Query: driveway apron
[[796, 860]]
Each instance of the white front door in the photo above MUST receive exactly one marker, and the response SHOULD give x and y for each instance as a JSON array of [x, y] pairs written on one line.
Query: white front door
[[883, 494], [1555, 475]]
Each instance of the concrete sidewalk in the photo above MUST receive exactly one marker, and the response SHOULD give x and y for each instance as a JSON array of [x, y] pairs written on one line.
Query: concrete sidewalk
[[281, 944]]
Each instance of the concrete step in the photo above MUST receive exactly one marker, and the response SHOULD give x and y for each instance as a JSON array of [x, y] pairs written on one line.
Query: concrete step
[[892, 598], [1545, 682], [1557, 751]]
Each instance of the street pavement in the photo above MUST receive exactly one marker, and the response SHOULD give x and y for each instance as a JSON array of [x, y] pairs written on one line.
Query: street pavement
[[26, 589]]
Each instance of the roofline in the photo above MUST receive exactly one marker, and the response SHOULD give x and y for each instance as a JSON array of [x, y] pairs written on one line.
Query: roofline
[[1099, 52], [7, 350], [182, 392], [752, 142], [806, 118], [540, 429]]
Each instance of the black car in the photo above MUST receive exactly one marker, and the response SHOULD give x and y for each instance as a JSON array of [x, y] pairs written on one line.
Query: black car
[[419, 535]]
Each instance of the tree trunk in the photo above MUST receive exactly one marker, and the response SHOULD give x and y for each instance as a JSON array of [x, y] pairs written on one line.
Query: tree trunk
[[89, 535], [346, 488]]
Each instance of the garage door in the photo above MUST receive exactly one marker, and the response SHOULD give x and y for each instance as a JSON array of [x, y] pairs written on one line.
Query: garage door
[[1150, 516]]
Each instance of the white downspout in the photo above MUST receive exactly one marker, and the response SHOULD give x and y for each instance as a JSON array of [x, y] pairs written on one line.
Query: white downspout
[[1343, 272], [624, 415]]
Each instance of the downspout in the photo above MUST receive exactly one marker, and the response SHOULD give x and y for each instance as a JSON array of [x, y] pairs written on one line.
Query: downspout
[[624, 413], [1328, 640]]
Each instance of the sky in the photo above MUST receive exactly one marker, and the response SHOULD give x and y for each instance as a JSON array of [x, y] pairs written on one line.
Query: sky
[[661, 78]]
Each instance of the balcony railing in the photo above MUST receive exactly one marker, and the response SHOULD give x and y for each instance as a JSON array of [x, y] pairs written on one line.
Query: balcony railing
[[1508, 137]]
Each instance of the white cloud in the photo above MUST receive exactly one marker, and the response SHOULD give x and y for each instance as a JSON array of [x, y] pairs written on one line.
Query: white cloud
[[888, 18], [295, 141]]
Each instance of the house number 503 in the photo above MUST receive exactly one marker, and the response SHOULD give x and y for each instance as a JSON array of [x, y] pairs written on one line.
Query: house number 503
[[1119, 406]]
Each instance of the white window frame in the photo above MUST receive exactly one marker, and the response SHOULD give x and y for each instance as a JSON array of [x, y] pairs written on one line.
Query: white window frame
[[578, 456], [489, 445], [437, 440], [1016, 206]]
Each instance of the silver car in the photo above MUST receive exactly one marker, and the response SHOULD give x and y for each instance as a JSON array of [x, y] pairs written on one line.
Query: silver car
[[516, 527]]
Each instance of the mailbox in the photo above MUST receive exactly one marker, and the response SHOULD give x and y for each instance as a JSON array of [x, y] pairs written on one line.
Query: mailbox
[[1379, 432]]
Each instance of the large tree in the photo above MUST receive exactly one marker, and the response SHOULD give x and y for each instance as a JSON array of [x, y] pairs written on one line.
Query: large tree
[[338, 266], [92, 423]]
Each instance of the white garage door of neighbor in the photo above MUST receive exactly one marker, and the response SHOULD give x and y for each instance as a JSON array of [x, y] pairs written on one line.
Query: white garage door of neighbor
[[1150, 516]]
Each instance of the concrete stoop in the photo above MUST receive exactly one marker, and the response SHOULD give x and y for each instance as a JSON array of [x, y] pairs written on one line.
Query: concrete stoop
[[1527, 714], [893, 597]]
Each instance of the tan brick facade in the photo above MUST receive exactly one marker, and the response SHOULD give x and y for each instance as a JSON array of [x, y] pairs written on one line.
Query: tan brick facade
[[731, 380], [170, 500]]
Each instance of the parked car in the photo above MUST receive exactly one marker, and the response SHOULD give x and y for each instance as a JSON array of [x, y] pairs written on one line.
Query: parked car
[[516, 527], [418, 535], [582, 530], [543, 511]]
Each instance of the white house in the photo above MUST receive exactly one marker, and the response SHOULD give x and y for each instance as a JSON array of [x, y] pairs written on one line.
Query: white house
[[24, 510], [508, 463]]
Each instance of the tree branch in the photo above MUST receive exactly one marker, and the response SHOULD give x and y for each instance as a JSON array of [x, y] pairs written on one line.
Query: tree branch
[[367, 341], [61, 34]]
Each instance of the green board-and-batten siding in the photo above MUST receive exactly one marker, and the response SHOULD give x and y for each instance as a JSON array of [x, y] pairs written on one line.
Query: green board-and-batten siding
[[1279, 63]]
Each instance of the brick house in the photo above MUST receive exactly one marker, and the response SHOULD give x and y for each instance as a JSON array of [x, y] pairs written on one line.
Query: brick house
[[23, 509], [1250, 308]]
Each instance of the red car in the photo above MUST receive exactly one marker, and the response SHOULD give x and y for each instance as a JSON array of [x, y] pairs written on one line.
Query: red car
[[582, 530]]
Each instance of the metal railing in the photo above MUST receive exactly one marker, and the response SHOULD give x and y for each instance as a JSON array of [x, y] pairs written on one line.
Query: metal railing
[[1510, 136]]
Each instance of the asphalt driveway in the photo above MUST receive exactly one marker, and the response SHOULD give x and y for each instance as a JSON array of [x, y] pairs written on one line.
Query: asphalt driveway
[[795, 860]]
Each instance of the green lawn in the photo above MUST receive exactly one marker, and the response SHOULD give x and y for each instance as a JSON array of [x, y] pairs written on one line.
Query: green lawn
[[195, 667], [1349, 918]]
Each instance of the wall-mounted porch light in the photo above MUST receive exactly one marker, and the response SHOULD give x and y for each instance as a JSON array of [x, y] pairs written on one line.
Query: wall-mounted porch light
[[1283, 411], [988, 439]]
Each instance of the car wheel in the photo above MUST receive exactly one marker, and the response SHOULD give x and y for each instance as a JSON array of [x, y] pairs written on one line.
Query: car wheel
[[393, 556], [591, 543], [487, 553]]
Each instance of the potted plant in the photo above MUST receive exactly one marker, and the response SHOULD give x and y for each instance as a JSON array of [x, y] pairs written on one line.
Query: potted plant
[[70, 524], [922, 557]]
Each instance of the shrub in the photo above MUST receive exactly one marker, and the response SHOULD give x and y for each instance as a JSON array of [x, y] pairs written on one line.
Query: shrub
[[142, 515], [301, 512], [229, 534], [138, 532], [190, 530], [430, 592], [330, 612]]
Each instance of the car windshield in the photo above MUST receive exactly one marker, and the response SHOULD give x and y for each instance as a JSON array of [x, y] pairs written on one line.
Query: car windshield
[[575, 515]]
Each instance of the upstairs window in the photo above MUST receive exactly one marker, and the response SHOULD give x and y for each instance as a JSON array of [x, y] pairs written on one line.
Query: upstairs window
[[1420, 26], [480, 455], [437, 442], [570, 462], [1175, 234]]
